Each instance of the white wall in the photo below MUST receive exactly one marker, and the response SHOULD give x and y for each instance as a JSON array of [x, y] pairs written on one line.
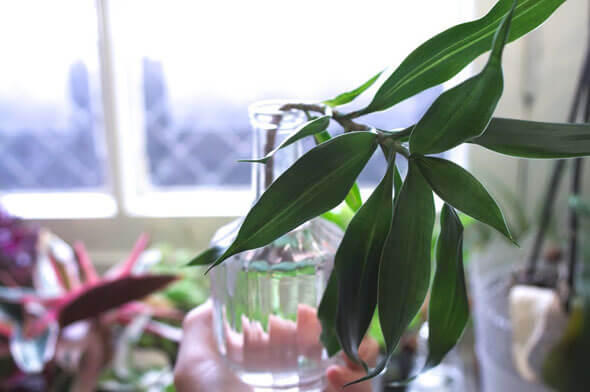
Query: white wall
[[545, 63]]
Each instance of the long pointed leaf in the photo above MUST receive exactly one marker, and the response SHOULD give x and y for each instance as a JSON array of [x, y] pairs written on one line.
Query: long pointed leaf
[[327, 315], [530, 139], [405, 263], [353, 198], [397, 182], [448, 309], [459, 188], [464, 111], [208, 256], [444, 55], [404, 273], [357, 265], [349, 96], [310, 128], [316, 183]]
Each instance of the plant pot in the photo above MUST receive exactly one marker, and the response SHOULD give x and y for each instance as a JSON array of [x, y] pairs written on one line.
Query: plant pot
[[491, 277]]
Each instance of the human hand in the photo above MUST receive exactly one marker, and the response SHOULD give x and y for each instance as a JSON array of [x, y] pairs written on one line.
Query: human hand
[[199, 366]]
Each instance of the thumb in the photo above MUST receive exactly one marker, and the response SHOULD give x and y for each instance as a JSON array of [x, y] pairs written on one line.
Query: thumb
[[338, 376]]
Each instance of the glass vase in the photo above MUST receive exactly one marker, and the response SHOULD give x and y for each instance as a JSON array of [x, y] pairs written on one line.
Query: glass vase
[[265, 300]]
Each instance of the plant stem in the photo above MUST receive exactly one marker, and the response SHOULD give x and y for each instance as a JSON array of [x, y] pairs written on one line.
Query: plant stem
[[548, 203], [573, 229], [402, 136], [269, 145], [344, 120], [576, 185]]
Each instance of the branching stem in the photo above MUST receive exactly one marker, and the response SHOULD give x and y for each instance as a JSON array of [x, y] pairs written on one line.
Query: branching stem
[[345, 120]]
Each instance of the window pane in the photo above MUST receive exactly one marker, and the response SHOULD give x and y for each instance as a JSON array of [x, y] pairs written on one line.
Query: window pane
[[198, 65], [50, 108]]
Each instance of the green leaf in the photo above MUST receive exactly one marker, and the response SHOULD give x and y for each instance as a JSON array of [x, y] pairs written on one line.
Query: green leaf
[[530, 139], [397, 184], [444, 55], [208, 256], [339, 216], [327, 315], [448, 309], [404, 274], [349, 96], [354, 199], [312, 127], [322, 137], [459, 188], [464, 111], [405, 263], [357, 266], [565, 367], [375, 330], [170, 388], [316, 183]]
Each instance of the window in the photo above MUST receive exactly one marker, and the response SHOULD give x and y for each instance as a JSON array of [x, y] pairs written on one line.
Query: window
[[51, 123], [176, 80]]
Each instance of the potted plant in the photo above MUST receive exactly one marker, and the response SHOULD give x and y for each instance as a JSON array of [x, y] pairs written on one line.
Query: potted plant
[[59, 319], [383, 263]]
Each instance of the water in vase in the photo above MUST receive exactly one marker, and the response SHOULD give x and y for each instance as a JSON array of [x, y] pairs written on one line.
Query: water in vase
[[265, 300]]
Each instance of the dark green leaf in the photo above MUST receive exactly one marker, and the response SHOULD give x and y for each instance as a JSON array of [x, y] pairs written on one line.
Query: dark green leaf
[[316, 183], [381, 365], [397, 184], [460, 189], [531, 139], [357, 266], [464, 111], [349, 96], [404, 273], [444, 55], [311, 127], [448, 309], [353, 198], [327, 315], [208, 256]]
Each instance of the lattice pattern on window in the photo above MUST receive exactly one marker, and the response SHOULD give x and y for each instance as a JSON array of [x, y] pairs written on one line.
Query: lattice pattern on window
[[190, 154], [185, 153], [50, 108]]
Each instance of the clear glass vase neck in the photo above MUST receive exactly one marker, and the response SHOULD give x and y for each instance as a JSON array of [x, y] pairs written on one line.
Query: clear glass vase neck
[[271, 126]]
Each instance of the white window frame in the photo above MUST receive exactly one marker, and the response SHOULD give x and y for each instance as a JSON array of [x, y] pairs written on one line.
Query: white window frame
[[129, 203]]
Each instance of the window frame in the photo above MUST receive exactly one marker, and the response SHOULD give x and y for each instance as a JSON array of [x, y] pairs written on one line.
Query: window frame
[[129, 202]]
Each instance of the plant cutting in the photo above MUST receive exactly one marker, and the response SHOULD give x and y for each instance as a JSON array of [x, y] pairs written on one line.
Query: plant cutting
[[383, 262]]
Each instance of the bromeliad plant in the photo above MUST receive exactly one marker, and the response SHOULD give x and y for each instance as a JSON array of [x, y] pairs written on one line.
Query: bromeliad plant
[[384, 259]]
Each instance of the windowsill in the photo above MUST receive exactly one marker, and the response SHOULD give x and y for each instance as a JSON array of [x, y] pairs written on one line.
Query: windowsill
[[59, 205]]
